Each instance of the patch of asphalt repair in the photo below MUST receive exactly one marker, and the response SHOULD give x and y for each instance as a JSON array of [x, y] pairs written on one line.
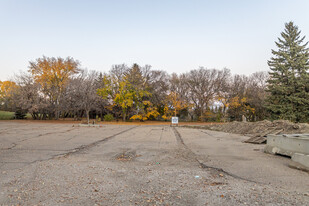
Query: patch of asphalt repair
[[203, 165]]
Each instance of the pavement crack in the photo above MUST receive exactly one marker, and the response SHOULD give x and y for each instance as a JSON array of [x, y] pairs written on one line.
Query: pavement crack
[[203, 165], [88, 146], [48, 133], [75, 150], [161, 135], [203, 131], [12, 147], [40, 135]]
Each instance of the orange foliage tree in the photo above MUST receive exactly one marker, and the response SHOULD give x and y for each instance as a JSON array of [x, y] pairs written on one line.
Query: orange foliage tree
[[238, 107], [7, 89], [53, 74], [174, 103]]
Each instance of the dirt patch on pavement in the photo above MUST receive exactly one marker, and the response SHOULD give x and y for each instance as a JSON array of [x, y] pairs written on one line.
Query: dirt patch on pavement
[[126, 156]]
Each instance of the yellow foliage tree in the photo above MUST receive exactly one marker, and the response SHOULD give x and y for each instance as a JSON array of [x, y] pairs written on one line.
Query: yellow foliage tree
[[224, 99], [149, 111], [239, 106], [124, 98], [7, 89], [53, 74], [167, 113], [173, 104]]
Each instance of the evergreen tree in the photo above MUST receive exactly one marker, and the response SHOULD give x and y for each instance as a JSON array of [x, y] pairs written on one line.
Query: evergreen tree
[[288, 84]]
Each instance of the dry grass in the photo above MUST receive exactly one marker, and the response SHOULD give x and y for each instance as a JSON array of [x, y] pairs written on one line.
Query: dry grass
[[6, 115]]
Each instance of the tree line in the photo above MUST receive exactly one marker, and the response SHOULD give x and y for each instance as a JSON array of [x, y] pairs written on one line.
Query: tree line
[[54, 88]]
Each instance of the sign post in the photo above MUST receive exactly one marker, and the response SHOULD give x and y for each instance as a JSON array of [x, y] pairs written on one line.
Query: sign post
[[174, 121]]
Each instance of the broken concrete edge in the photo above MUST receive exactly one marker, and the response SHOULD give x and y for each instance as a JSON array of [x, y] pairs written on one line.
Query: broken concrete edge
[[299, 161], [276, 150], [256, 140]]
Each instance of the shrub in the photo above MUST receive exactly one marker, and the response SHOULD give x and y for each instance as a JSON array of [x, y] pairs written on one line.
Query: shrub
[[20, 114], [108, 117]]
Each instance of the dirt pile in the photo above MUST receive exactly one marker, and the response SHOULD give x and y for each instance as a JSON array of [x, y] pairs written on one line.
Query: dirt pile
[[259, 129]]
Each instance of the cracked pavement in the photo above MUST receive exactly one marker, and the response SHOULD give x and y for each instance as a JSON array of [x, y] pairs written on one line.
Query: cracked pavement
[[57, 164]]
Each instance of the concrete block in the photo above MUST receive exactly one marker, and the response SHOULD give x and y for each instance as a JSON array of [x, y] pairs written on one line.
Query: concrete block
[[287, 144], [301, 159]]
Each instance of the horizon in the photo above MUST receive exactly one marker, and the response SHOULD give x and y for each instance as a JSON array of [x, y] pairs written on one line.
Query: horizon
[[174, 36]]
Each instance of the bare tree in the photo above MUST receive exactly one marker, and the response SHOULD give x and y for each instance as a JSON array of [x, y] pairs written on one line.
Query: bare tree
[[29, 98], [158, 86], [204, 85], [82, 92], [257, 94]]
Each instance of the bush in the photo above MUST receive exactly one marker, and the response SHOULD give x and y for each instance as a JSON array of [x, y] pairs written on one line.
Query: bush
[[108, 117], [20, 114]]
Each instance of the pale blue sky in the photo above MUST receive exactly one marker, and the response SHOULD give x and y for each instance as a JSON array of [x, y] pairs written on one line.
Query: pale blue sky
[[175, 36]]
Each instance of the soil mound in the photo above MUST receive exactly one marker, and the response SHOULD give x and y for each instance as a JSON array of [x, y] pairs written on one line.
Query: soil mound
[[260, 129]]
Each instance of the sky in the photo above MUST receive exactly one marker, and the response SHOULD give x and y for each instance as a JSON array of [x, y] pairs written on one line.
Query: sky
[[171, 35]]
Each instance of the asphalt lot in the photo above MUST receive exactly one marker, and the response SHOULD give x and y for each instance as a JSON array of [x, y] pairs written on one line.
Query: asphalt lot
[[58, 164]]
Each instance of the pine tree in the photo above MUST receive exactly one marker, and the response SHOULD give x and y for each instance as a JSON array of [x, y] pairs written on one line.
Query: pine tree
[[288, 84]]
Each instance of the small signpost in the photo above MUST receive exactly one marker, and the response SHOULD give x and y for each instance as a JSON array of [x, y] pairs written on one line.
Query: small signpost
[[174, 121]]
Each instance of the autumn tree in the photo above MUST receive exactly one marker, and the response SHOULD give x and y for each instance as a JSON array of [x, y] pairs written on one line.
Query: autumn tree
[[7, 89], [237, 97], [56, 87], [124, 98], [177, 101], [125, 88], [53, 74]]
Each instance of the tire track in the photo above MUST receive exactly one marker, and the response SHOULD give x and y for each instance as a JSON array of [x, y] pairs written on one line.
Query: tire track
[[203, 165], [93, 144]]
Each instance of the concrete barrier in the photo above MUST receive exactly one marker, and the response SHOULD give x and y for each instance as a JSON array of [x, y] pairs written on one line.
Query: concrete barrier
[[294, 145], [301, 159]]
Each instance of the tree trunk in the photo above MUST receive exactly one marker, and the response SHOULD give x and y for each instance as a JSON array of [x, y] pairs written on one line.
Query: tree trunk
[[124, 112], [87, 114]]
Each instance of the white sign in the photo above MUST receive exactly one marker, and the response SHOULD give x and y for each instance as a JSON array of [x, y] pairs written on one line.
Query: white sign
[[174, 120]]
